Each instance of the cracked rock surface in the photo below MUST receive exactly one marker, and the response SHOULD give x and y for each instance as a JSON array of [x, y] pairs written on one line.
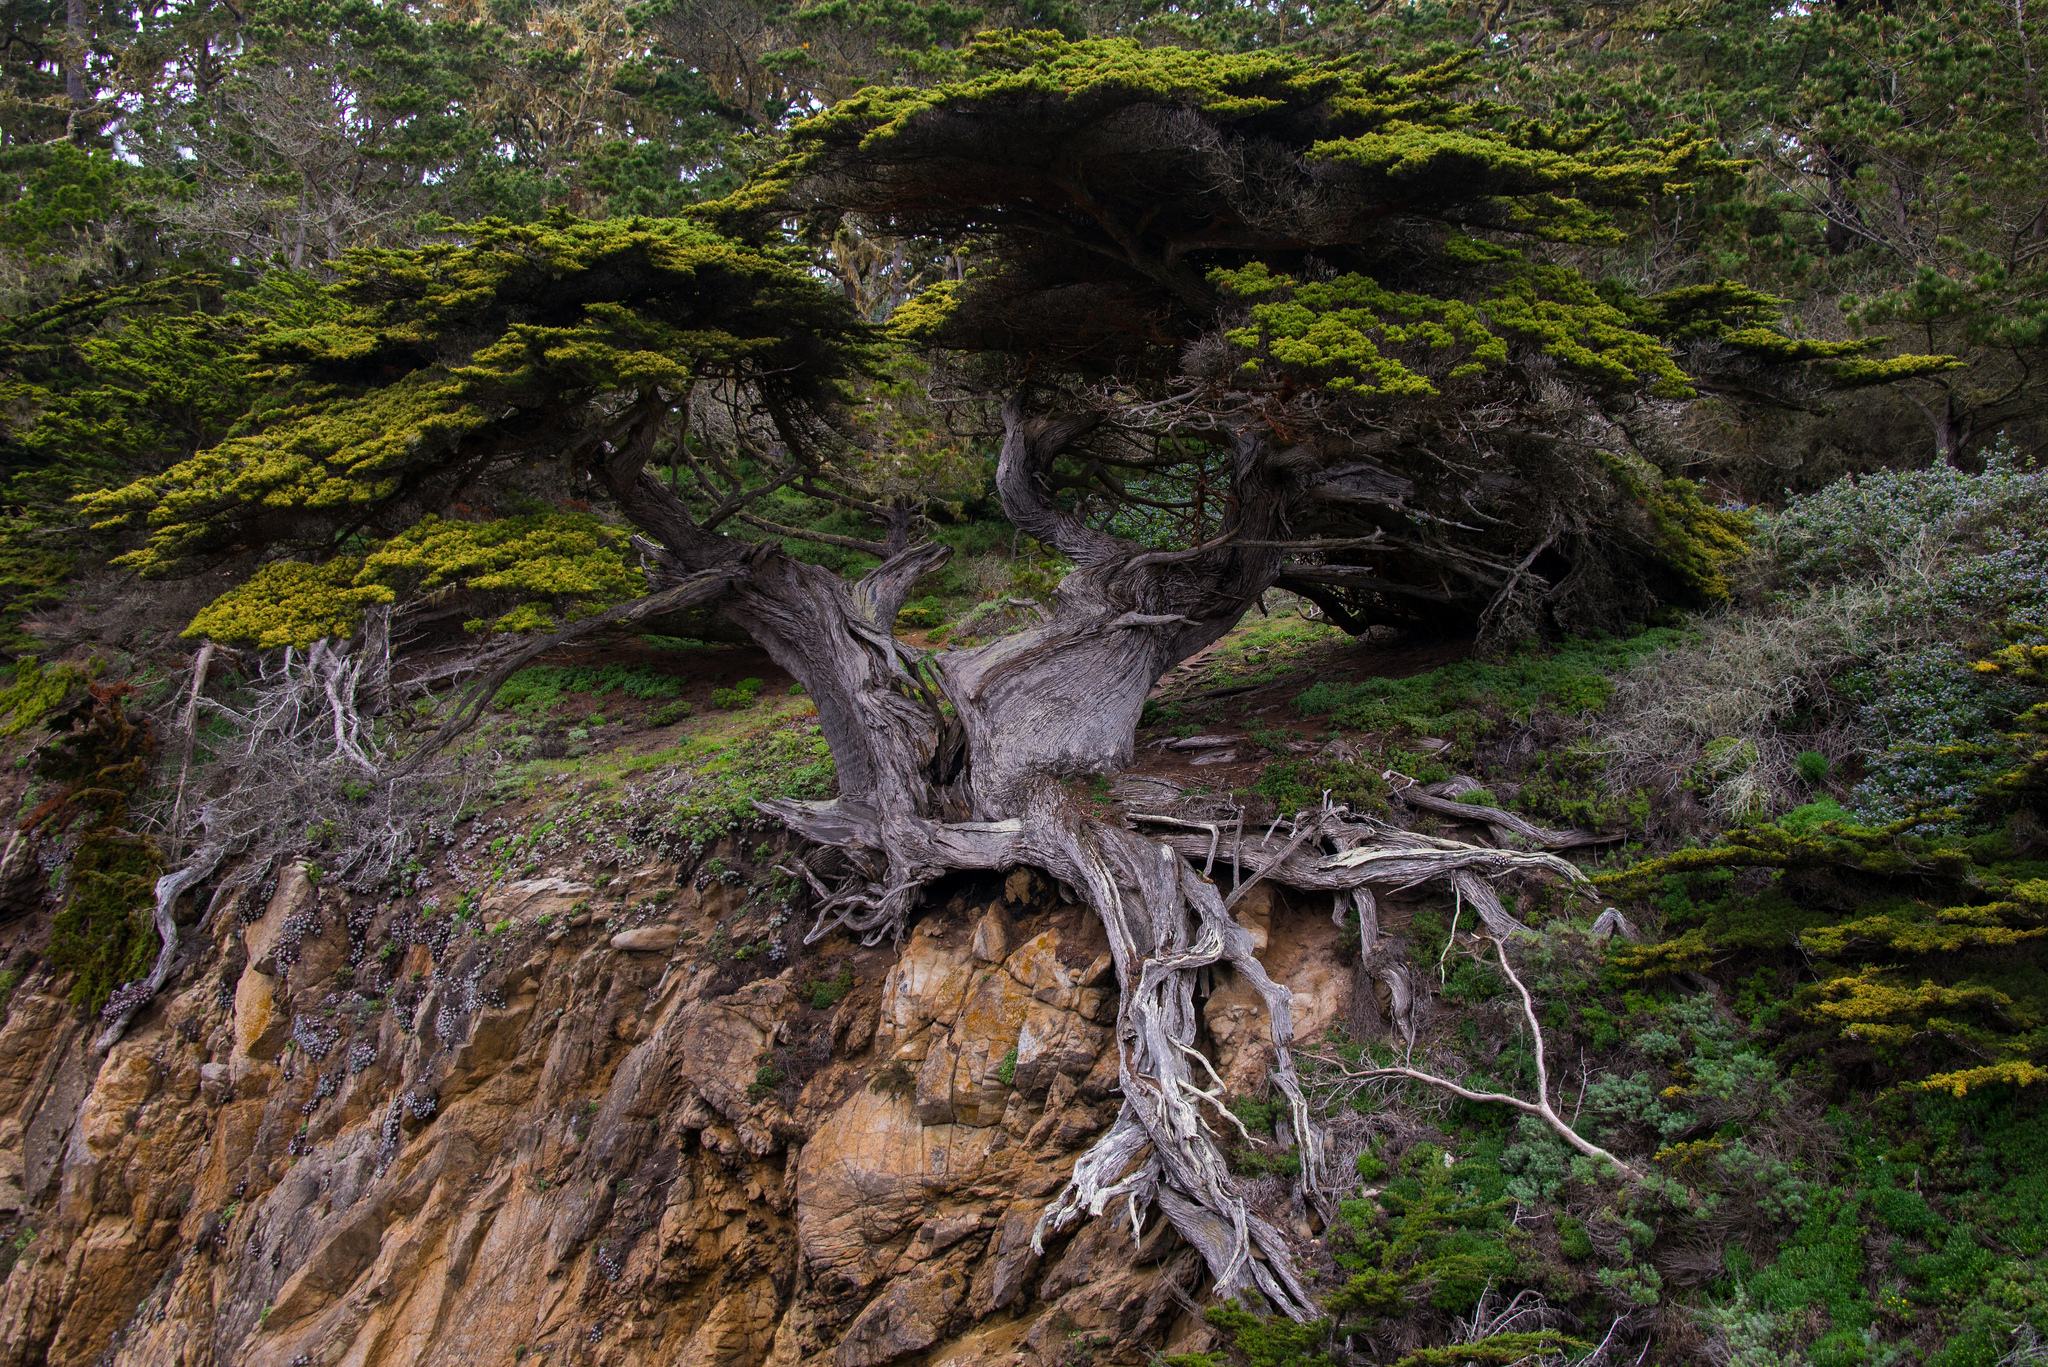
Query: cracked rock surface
[[602, 1145]]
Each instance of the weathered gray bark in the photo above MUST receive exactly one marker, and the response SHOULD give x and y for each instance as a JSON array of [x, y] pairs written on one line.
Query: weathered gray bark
[[131, 998], [955, 761]]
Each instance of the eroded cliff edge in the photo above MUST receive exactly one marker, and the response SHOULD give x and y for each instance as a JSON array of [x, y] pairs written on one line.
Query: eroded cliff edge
[[575, 1121]]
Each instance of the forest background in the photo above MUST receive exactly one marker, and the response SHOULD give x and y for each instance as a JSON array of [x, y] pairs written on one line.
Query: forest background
[[175, 180]]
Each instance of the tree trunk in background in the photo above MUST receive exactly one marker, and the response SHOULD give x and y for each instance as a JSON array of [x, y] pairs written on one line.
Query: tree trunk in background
[[79, 26]]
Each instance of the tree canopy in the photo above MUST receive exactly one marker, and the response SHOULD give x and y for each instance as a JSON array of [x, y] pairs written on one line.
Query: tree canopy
[[429, 378], [495, 328]]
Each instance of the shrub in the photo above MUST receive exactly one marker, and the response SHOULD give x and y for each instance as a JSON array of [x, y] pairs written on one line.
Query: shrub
[[1894, 524], [827, 994], [1938, 727], [1257, 1116], [1813, 767], [1479, 797], [1292, 784], [741, 694], [1572, 1236], [1743, 676], [766, 1079], [669, 713]]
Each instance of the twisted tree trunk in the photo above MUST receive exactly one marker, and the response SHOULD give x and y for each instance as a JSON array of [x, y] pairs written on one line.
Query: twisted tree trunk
[[954, 761]]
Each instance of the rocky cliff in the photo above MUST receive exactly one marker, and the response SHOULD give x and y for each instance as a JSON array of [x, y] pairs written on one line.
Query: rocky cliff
[[597, 1114]]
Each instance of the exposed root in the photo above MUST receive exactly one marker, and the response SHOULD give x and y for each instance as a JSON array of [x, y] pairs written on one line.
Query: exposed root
[[1166, 921], [131, 998]]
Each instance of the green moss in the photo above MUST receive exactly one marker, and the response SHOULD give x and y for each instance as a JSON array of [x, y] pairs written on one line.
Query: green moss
[[104, 933], [34, 692]]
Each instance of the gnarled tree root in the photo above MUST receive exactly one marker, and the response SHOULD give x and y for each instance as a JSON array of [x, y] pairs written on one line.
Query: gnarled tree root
[[1165, 921]]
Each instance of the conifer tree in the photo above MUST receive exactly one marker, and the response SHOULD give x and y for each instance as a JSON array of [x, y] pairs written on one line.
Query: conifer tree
[[1321, 286]]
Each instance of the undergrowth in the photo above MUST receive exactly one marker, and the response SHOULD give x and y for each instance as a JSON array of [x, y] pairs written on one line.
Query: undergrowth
[[531, 692], [1464, 700]]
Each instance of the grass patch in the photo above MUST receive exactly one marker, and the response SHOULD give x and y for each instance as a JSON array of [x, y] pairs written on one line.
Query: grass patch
[[1574, 678]]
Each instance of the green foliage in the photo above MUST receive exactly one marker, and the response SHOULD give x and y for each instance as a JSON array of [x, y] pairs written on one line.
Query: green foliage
[[535, 690], [35, 691], [669, 713], [1926, 990], [290, 603], [1700, 542], [726, 777], [1006, 1071], [1552, 179], [1572, 679], [1256, 1115], [436, 353], [829, 992], [1436, 1236], [1292, 784], [767, 1078], [742, 694]]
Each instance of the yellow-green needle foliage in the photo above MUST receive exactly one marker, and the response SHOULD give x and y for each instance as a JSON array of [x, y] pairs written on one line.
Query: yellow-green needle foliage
[[442, 366]]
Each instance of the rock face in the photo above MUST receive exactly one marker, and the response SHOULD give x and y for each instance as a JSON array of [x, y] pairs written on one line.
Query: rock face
[[357, 1134]]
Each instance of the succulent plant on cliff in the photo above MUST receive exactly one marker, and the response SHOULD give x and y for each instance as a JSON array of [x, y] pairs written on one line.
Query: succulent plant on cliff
[[1316, 291]]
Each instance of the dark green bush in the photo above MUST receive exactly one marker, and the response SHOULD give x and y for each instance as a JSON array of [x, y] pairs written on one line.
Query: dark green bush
[[104, 932], [827, 994]]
